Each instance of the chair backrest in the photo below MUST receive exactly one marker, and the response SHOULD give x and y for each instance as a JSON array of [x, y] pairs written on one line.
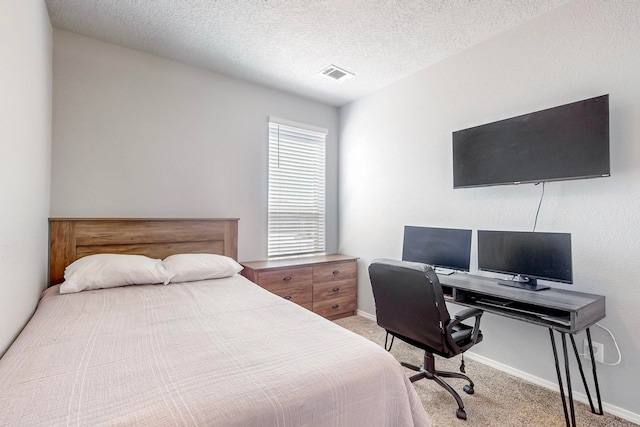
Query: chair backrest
[[409, 302]]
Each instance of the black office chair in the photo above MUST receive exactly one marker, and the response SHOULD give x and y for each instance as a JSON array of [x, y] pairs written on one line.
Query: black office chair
[[410, 306]]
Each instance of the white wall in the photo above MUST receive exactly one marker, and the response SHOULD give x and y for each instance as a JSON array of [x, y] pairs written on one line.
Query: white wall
[[396, 169], [136, 135], [25, 158]]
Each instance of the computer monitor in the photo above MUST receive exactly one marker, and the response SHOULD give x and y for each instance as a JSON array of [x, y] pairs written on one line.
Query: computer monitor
[[448, 248], [527, 255]]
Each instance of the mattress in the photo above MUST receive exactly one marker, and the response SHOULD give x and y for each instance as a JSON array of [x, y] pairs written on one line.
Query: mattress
[[221, 352]]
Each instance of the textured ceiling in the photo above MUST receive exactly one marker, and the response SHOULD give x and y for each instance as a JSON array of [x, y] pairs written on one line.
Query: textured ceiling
[[286, 43]]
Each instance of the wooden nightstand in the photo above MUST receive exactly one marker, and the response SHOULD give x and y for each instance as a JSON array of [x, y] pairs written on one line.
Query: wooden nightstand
[[325, 284]]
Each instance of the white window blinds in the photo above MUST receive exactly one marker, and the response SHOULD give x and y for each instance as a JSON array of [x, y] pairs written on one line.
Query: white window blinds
[[296, 188]]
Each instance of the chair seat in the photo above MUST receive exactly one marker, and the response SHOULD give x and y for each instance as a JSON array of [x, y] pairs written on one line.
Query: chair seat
[[461, 334]]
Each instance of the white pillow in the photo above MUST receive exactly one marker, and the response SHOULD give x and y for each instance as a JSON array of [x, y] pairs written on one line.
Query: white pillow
[[112, 270], [192, 267]]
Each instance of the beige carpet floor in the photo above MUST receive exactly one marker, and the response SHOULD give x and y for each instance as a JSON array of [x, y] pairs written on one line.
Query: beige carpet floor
[[500, 399]]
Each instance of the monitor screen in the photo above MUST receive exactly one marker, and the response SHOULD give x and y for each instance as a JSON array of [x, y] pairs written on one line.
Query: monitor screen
[[566, 142], [439, 247], [528, 255]]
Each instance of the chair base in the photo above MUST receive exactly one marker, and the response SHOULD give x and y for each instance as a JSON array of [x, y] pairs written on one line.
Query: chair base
[[427, 370]]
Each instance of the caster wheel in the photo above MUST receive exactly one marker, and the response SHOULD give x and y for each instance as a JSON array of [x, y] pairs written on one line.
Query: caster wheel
[[468, 389], [460, 413]]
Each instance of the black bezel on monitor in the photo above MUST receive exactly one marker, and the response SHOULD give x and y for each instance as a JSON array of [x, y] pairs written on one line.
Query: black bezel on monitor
[[458, 233], [533, 277]]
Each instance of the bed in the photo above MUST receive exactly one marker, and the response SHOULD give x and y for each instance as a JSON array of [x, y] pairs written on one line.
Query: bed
[[221, 352]]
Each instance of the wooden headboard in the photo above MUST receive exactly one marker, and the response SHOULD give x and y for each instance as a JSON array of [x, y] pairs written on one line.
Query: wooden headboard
[[73, 238]]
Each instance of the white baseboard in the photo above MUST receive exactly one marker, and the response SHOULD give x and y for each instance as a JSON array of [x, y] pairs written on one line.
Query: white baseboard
[[581, 397], [366, 315]]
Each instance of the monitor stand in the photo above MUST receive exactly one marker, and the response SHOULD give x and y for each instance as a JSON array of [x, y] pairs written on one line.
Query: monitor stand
[[523, 282], [444, 271]]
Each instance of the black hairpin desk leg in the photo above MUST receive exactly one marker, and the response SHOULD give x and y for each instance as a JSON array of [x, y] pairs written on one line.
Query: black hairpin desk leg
[[555, 358], [584, 380], [572, 422], [595, 376], [567, 374]]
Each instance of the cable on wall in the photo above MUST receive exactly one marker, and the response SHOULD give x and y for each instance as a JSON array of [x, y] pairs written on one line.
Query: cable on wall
[[535, 223]]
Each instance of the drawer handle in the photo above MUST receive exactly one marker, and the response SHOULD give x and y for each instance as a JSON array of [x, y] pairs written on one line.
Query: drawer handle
[[287, 297], [335, 306], [335, 289], [286, 279], [336, 271]]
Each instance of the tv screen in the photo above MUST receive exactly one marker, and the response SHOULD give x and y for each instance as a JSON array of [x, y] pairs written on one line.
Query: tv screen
[[440, 247], [527, 255], [566, 142]]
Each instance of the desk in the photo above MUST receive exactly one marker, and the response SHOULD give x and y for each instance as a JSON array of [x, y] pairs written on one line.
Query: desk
[[566, 312]]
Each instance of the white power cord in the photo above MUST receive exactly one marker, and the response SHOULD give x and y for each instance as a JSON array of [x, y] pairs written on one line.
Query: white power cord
[[617, 362]]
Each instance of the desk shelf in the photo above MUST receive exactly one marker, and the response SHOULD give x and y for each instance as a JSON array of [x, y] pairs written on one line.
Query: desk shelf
[[562, 310]]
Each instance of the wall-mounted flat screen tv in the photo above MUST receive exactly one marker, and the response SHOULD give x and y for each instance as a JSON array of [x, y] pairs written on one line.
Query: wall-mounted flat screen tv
[[566, 142]]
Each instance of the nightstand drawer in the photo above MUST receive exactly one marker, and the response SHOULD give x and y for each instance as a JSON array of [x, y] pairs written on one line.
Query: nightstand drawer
[[335, 307], [335, 271], [324, 284], [329, 290], [286, 277], [302, 295]]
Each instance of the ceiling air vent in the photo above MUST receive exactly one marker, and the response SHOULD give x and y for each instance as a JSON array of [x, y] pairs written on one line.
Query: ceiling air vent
[[336, 73]]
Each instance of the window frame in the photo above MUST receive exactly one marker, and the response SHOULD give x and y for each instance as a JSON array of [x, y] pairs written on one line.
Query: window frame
[[296, 196]]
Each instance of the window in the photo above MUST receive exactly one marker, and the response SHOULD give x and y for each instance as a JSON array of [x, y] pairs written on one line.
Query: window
[[296, 188]]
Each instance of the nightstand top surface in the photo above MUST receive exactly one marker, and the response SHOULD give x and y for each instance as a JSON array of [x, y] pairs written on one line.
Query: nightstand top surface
[[296, 261]]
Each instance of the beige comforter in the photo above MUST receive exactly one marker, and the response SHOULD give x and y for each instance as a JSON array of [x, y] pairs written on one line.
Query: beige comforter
[[220, 352]]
